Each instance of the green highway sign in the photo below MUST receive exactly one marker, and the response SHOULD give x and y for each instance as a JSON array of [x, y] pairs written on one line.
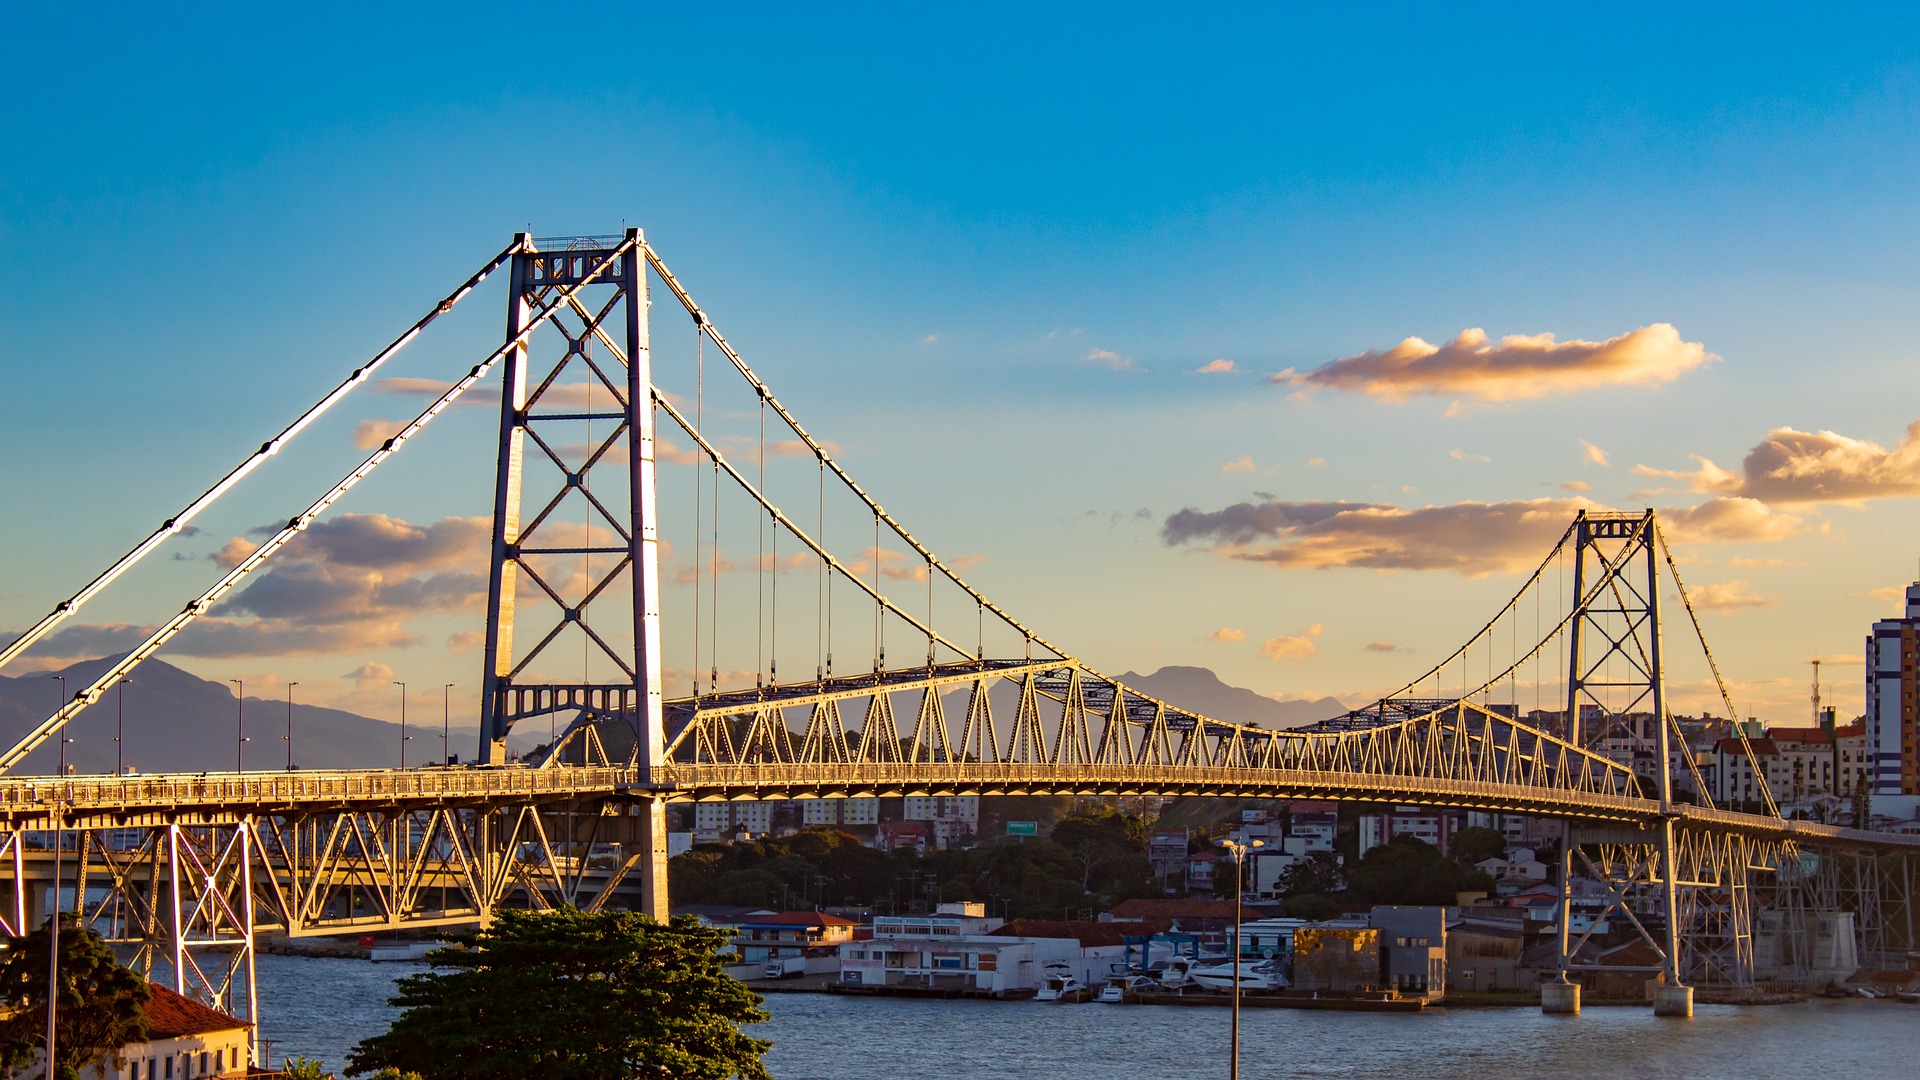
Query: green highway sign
[[1023, 828]]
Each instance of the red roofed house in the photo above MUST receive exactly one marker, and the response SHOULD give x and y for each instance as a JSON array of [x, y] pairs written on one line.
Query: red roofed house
[[186, 1039], [792, 933]]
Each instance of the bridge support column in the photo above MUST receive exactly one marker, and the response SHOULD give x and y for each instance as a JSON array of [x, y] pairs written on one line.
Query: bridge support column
[[1560, 997], [653, 863], [1672, 1000]]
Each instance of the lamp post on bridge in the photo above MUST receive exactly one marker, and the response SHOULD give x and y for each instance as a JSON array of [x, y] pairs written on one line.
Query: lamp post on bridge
[[403, 724], [446, 721], [120, 729], [288, 737], [1237, 852], [239, 725]]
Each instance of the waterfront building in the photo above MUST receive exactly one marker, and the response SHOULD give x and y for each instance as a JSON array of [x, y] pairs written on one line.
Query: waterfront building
[[1893, 710], [1413, 947], [1483, 950], [960, 950], [185, 1039], [810, 934], [1336, 960]]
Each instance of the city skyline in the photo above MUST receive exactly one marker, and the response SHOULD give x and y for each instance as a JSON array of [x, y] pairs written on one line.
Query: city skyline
[[1235, 359]]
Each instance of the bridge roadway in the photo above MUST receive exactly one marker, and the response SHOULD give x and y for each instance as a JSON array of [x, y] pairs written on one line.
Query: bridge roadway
[[105, 802]]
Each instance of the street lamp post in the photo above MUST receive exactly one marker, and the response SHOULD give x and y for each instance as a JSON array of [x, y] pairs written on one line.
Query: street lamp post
[[120, 730], [53, 924], [239, 724], [1238, 853], [403, 725], [288, 737], [446, 721]]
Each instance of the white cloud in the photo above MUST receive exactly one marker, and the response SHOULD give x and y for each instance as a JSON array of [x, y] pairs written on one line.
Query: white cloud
[[1728, 596], [1214, 367], [1791, 466], [1517, 368], [1593, 455]]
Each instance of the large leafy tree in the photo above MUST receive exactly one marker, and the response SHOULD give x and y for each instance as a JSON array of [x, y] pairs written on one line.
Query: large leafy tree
[[102, 1005], [585, 996]]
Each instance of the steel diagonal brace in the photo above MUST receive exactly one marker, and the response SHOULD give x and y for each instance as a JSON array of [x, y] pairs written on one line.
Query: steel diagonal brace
[[267, 449], [83, 698]]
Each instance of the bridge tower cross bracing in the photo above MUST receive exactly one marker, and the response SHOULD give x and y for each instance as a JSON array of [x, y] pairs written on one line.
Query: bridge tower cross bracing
[[1620, 683], [605, 356]]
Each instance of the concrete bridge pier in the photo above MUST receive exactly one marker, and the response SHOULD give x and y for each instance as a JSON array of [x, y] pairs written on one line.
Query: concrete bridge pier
[[1560, 997], [1670, 999]]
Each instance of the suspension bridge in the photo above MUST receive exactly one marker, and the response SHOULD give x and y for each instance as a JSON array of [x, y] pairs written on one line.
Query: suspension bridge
[[778, 554]]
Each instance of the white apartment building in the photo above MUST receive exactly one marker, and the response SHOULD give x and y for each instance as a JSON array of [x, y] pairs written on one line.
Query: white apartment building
[[723, 817], [840, 811], [1893, 713]]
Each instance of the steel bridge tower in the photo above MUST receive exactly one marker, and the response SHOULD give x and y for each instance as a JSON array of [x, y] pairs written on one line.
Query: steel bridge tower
[[584, 402]]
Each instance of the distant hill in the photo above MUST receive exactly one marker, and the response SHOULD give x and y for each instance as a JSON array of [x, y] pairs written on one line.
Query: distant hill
[[1200, 690], [179, 722]]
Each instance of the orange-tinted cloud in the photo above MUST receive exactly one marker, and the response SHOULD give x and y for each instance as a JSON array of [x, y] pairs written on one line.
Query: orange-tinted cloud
[[1289, 648], [1470, 538], [1518, 367], [1214, 367], [1728, 596], [1227, 634], [1791, 466]]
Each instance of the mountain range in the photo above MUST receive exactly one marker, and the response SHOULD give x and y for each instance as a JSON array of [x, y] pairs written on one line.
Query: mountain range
[[178, 722]]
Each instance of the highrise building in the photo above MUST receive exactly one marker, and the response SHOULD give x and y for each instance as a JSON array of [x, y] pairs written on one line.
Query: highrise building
[[1893, 711]]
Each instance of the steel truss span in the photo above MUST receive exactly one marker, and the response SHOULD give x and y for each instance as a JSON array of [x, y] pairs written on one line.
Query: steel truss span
[[185, 871]]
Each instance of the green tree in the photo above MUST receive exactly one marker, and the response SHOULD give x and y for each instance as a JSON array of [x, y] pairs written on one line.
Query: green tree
[[586, 996], [1476, 844], [102, 1004], [1408, 870], [1317, 874], [301, 1068]]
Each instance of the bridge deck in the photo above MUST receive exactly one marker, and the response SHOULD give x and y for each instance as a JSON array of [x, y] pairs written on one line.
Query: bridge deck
[[222, 798]]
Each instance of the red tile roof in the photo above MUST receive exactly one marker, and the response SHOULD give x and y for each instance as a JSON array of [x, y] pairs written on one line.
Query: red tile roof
[[1088, 934], [170, 1016], [1761, 747], [1800, 735], [799, 918]]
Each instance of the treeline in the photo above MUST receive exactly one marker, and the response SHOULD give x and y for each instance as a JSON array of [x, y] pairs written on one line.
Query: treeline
[[1090, 862]]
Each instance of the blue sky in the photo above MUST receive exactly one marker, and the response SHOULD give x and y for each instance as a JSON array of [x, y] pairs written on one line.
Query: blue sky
[[984, 251]]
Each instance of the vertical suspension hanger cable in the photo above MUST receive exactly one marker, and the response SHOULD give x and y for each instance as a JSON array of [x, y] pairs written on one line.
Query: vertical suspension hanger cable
[[699, 554], [826, 581], [879, 609], [713, 552], [760, 556]]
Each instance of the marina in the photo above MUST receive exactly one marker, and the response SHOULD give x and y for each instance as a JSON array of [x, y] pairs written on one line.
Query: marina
[[321, 1007]]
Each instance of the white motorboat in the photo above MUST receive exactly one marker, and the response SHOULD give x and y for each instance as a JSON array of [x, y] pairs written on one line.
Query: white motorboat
[[1175, 973], [1121, 987], [1058, 987], [1254, 975]]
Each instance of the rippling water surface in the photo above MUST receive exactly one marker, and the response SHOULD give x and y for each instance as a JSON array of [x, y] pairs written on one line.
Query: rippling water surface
[[319, 1008]]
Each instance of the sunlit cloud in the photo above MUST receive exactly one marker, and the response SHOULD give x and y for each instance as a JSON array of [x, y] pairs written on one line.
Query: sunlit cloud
[[1289, 648], [1111, 360], [1728, 596], [1461, 455], [1214, 367], [1385, 647], [1242, 464], [1227, 634], [1469, 538], [1593, 455], [1791, 466], [1516, 368], [1576, 485]]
